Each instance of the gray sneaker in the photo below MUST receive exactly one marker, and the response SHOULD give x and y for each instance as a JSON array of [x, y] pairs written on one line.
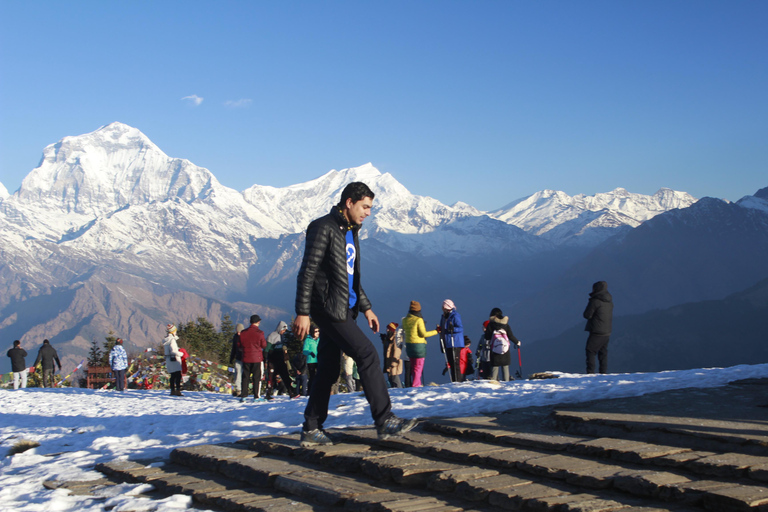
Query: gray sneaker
[[394, 427], [314, 438]]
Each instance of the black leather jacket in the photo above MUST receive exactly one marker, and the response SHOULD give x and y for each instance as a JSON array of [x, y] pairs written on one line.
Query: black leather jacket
[[323, 286]]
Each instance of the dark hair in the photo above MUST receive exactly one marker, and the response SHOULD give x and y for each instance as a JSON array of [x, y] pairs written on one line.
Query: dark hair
[[467, 341], [497, 313], [356, 191], [46, 341], [16, 343]]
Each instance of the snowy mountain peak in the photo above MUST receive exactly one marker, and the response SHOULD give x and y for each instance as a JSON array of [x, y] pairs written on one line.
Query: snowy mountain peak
[[114, 166], [558, 216], [3, 192]]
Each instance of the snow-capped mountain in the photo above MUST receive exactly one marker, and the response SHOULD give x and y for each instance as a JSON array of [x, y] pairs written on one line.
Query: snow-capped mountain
[[759, 201], [3, 192], [110, 233], [558, 217]]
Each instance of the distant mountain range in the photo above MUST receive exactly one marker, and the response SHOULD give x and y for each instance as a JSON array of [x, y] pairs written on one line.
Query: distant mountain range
[[109, 233]]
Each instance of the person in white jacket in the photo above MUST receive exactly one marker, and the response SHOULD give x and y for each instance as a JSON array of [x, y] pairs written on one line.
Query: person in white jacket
[[173, 359]]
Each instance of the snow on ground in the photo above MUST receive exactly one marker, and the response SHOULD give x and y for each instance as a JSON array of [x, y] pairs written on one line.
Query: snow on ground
[[77, 428]]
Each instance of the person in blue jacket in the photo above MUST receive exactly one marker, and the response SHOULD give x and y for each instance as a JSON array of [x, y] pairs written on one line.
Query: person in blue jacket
[[118, 360], [451, 339]]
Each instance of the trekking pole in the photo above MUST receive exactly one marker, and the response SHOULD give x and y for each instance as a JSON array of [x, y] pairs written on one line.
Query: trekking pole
[[520, 363], [445, 353]]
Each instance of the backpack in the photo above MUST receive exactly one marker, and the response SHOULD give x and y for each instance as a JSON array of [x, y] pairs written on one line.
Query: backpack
[[500, 342]]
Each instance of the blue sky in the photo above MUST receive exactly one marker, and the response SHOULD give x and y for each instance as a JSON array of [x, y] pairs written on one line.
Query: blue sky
[[479, 101]]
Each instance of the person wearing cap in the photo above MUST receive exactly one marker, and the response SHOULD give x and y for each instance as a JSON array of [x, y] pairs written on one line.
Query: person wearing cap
[[236, 359], [329, 288], [499, 359], [118, 361], [47, 356], [252, 345], [451, 333], [18, 365], [173, 359], [276, 356], [416, 335], [393, 365]]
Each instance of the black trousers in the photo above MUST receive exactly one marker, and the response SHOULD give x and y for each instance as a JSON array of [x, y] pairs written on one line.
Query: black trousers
[[176, 381], [346, 336], [312, 371], [407, 372], [454, 357], [597, 345], [251, 375], [277, 367]]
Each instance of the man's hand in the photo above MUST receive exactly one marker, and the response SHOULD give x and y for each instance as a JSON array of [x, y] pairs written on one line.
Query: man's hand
[[301, 327], [373, 320]]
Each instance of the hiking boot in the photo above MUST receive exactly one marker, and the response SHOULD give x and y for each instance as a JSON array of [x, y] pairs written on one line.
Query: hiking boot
[[315, 438], [394, 427]]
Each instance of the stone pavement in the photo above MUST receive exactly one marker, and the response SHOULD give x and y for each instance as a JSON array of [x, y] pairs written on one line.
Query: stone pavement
[[689, 449]]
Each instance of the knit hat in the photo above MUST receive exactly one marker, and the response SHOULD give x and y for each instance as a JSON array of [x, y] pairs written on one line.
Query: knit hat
[[255, 319], [392, 326], [415, 306], [448, 304], [239, 327], [119, 341], [485, 324], [170, 328]]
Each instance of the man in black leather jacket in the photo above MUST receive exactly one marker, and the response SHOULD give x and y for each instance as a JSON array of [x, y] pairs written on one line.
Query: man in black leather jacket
[[328, 289]]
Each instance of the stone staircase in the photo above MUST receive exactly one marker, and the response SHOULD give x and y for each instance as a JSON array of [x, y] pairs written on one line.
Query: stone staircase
[[536, 460]]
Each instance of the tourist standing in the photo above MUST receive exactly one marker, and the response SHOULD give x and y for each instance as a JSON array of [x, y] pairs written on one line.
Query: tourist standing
[[18, 365], [236, 359], [416, 335], [252, 345], [599, 315], [47, 356], [451, 333], [173, 359], [118, 361]]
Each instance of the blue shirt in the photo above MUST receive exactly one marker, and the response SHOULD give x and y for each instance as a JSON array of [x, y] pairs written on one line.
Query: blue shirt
[[351, 255]]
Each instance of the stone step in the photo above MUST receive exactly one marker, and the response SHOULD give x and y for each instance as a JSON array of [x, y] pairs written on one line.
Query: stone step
[[699, 434], [656, 483], [704, 463], [206, 488], [455, 465], [388, 460]]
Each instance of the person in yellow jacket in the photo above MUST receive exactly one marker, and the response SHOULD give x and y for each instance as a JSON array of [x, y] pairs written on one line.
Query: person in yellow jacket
[[415, 341]]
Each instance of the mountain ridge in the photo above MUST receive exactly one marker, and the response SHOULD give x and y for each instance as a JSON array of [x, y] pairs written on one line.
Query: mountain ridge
[[218, 249]]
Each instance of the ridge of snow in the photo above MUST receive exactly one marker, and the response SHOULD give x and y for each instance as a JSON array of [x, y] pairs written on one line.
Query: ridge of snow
[[548, 212]]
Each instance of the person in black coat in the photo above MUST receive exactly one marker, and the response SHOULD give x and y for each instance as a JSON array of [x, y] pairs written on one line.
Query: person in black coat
[[47, 355], [499, 322], [599, 315], [18, 365], [329, 288]]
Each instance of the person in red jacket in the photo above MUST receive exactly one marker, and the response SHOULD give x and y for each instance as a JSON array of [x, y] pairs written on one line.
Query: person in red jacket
[[252, 344], [465, 359]]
